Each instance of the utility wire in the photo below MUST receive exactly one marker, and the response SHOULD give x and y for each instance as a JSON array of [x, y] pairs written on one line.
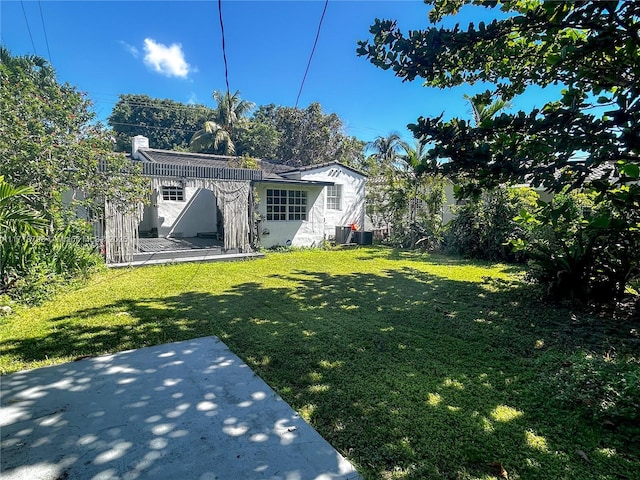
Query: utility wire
[[224, 56], [326, 3], [28, 28], [46, 38]]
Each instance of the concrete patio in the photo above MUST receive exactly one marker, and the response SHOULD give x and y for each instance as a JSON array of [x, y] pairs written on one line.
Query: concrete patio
[[186, 410]]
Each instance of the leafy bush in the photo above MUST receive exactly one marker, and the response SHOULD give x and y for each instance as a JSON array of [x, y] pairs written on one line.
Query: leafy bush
[[583, 245], [484, 227], [34, 268], [73, 250]]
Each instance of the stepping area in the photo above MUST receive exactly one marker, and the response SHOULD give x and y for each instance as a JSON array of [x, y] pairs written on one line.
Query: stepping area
[[189, 409]]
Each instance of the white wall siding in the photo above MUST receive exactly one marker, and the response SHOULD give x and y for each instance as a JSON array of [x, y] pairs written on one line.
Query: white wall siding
[[196, 214], [321, 222], [353, 196], [297, 233]]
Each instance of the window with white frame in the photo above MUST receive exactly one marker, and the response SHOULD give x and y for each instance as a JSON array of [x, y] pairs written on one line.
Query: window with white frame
[[173, 193], [286, 204], [334, 197]]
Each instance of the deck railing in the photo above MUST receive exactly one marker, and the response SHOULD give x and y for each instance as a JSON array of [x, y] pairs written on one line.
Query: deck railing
[[194, 171], [199, 171]]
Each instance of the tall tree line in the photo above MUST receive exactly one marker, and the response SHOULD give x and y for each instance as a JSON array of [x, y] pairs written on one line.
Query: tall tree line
[[292, 136]]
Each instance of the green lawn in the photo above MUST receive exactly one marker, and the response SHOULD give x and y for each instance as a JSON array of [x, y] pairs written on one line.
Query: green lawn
[[412, 366]]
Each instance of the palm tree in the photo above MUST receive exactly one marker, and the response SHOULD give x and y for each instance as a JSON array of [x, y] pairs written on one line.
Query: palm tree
[[39, 69], [231, 109], [213, 137], [483, 109], [16, 222], [386, 150], [14, 215], [217, 134]]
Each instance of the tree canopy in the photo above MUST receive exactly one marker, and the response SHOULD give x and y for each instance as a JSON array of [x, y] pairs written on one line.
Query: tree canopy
[[293, 136], [54, 159], [588, 137], [308, 136], [50, 142], [166, 123], [588, 47]]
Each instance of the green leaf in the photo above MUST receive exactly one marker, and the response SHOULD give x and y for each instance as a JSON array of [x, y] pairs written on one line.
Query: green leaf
[[553, 59], [603, 221], [631, 170]]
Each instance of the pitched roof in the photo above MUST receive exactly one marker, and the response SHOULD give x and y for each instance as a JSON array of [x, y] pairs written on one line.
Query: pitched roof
[[328, 164], [271, 171], [185, 158]]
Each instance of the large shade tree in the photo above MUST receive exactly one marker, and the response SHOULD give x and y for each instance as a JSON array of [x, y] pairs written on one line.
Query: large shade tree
[[590, 48], [309, 136], [166, 123], [54, 159], [50, 142]]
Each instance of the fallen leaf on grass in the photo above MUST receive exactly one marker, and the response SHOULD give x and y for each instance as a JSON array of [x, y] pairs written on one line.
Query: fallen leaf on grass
[[583, 456], [497, 466]]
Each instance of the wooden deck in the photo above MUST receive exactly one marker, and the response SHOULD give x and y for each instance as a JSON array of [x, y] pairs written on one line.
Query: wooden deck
[[152, 245], [158, 251]]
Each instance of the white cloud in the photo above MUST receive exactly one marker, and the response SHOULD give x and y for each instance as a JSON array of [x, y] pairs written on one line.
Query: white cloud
[[130, 48], [168, 61]]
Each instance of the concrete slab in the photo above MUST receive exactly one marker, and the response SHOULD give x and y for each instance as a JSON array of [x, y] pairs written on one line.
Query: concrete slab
[[176, 257], [186, 410]]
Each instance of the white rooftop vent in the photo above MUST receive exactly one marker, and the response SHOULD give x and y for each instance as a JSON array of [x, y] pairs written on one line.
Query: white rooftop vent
[[138, 142]]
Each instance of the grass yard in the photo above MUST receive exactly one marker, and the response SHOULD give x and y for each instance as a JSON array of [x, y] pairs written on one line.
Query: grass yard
[[412, 366]]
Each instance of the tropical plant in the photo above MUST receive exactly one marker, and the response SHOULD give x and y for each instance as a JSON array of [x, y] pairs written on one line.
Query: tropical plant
[[580, 245], [19, 225], [484, 108], [15, 215], [35, 67], [386, 150], [212, 138], [216, 136], [484, 227], [231, 109], [588, 47]]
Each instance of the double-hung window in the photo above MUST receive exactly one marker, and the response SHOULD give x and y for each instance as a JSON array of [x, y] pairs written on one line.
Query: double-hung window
[[334, 197], [286, 204]]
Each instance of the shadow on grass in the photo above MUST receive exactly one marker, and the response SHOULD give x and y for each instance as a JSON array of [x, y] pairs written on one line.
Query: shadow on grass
[[404, 255], [408, 374]]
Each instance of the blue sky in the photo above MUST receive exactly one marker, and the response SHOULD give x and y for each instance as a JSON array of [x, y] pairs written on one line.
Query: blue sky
[[172, 49]]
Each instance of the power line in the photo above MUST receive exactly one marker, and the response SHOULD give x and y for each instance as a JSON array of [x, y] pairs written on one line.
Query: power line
[[46, 38], [28, 28], [139, 125], [326, 3], [224, 56]]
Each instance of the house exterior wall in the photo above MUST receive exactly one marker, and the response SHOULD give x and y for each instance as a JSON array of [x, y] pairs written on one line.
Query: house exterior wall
[[448, 209], [297, 233], [353, 196], [321, 221], [196, 214]]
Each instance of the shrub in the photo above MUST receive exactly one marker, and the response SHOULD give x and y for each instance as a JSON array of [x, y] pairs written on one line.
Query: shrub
[[484, 227], [581, 246]]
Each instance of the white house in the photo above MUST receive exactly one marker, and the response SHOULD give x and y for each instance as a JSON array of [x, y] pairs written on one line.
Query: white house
[[303, 206], [195, 194]]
